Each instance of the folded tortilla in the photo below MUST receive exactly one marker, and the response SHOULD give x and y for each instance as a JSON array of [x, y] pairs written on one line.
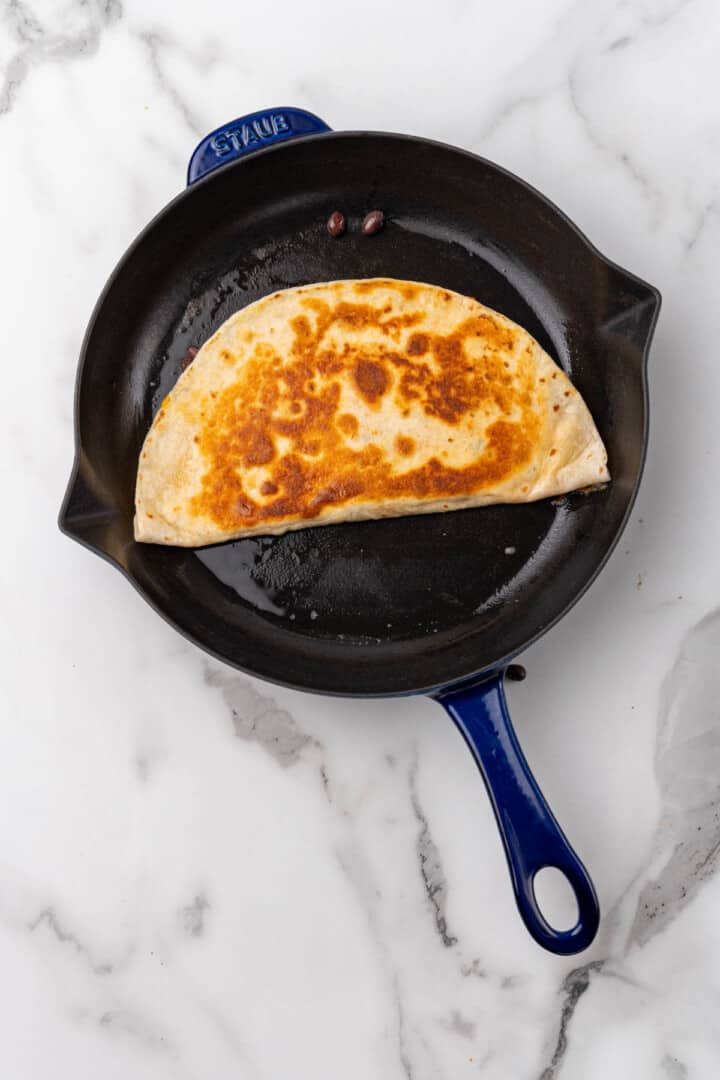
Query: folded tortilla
[[359, 399]]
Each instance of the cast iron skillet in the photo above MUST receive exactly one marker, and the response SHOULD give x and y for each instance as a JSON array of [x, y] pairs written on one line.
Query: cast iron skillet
[[434, 604]]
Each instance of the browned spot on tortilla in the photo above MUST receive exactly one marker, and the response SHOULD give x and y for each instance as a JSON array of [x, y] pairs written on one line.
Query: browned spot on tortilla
[[371, 379], [268, 488], [259, 449], [404, 445], [417, 345], [348, 423]]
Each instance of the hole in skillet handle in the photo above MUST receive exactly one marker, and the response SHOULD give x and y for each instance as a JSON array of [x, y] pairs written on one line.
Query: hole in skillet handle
[[248, 134], [531, 836], [555, 898]]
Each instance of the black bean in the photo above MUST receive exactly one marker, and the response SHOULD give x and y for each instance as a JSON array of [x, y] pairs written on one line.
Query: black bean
[[516, 673], [188, 357], [336, 223], [372, 222]]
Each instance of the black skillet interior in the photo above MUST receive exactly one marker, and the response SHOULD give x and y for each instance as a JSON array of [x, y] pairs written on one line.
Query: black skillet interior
[[390, 606]]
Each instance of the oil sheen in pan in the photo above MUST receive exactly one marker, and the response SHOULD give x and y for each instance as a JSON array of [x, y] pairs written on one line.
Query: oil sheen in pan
[[372, 580]]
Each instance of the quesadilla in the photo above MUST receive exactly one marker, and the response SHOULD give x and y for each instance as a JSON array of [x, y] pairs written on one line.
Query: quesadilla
[[351, 400]]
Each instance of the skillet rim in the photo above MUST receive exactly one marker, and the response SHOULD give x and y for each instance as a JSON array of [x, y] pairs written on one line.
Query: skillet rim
[[342, 689]]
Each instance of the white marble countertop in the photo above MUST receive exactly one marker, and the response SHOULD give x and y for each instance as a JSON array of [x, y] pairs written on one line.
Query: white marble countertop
[[204, 877]]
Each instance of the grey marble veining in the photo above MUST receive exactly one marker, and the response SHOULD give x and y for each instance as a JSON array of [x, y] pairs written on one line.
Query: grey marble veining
[[686, 849]]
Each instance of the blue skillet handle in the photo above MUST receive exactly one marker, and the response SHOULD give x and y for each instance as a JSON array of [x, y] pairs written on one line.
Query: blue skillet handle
[[531, 836], [250, 133]]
